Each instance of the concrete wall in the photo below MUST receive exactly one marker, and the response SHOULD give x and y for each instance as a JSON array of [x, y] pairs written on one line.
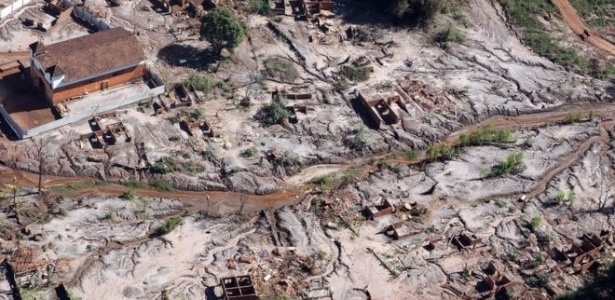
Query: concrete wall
[[6, 117], [113, 103], [15, 5]]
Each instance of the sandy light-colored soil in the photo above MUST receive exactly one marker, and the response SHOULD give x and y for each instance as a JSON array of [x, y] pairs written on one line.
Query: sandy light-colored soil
[[291, 212]]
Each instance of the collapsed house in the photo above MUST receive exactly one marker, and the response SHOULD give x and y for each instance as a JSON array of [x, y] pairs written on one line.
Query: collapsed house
[[238, 288], [380, 108]]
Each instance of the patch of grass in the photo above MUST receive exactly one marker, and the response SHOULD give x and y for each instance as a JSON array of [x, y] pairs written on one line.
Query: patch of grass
[[274, 113], [201, 83], [70, 187], [513, 164], [524, 14], [160, 168], [280, 69], [443, 152], [510, 256], [537, 280], [209, 155], [133, 184], [260, 7], [411, 154], [572, 117], [335, 181], [169, 225], [128, 195], [449, 35], [341, 85], [354, 73], [487, 135], [290, 158], [597, 13], [32, 294], [161, 185], [534, 262], [535, 222], [361, 140], [328, 182], [250, 152]]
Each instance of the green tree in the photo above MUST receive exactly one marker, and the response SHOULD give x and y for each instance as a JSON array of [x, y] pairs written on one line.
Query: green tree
[[425, 9], [222, 30]]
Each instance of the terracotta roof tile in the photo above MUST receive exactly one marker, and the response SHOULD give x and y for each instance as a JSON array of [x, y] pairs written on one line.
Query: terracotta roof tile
[[92, 54]]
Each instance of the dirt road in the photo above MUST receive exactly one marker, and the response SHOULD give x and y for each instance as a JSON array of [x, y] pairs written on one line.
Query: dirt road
[[578, 26]]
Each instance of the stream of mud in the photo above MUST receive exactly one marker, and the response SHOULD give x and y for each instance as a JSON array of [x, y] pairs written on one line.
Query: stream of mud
[[218, 202]]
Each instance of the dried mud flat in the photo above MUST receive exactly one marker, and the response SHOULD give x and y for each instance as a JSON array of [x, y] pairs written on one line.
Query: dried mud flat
[[101, 245]]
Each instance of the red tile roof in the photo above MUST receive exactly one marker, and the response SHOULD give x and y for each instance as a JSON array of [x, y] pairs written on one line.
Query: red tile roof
[[90, 55]]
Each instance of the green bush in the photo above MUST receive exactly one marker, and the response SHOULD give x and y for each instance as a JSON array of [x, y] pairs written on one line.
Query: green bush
[[169, 225], [201, 83], [443, 152], [513, 164], [356, 74], [260, 7], [449, 35], [250, 152], [161, 168], [361, 140], [487, 135], [290, 158], [411, 154], [341, 85], [280, 69], [161, 185], [274, 113]]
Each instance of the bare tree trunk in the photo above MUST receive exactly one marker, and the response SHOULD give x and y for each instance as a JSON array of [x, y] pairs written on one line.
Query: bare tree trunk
[[40, 147]]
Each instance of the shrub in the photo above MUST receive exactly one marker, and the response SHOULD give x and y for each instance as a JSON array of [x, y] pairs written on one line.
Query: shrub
[[513, 164], [274, 113], [128, 195], [209, 155], [201, 83], [411, 154], [535, 222], [360, 140], [260, 7], [281, 69], [486, 135], [168, 226], [449, 35], [250, 152], [341, 85], [290, 158], [161, 185], [355, 74], [161, 168], [572, 117]]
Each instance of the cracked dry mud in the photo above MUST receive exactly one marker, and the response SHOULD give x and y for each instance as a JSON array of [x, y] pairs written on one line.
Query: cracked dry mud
[[103, 246]]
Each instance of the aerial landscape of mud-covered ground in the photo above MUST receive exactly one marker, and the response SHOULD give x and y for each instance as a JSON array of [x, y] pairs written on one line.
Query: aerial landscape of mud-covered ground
[[357, 150]]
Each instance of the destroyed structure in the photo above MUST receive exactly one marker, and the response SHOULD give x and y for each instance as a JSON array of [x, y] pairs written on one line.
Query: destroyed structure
[[238, 288], [87, 64], [78, 79], [9, 6]]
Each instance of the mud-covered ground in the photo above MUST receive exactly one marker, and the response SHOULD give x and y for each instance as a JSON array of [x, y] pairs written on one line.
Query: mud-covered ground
[[143, 245]]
